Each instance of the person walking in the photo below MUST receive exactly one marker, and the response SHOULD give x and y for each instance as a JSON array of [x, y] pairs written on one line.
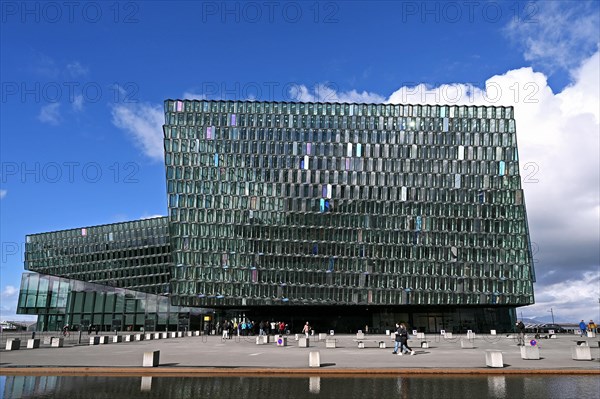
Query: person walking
[[404, 342], [592, 326], [582, 328], [306, 329], [521, 333], [397, 339]]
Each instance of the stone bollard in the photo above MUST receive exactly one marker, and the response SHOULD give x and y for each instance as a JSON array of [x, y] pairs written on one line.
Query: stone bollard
[[360, 335], [381, 345], [322, 336], [492, 332], [470, 335], [151, 359], [33, 343], [157, 335], [197, 333], [57, 342], [190, 334], [420, 335], [591, 334], [94, 340], [361, 345], [304, 342], [139, 337], [179, 334], [448, 335], [314, 359], [581, 352], [260, 340], [104, 340], [128, 337], [493, 358], [425, 344], [117, 338], [331, 332], [281, 340], [173, 334], [466, 344], [47, 340], [13, 344], [530, 352], [164, 335], [330, 343]]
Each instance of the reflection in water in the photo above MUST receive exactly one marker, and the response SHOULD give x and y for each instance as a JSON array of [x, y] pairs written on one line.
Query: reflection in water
[[449, 387], [496, 386], [314, 384], [146, 384]]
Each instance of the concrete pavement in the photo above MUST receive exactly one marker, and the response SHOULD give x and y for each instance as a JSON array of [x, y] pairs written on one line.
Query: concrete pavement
[[241, 355]]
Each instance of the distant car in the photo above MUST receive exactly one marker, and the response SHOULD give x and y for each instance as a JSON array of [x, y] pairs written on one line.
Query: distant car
[[545, 328]]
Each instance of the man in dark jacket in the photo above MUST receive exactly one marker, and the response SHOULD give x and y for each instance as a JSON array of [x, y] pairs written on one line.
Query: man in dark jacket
[[521, 333]]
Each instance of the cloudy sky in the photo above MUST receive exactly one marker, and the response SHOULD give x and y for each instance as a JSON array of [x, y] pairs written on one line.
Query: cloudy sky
[[83, 86]]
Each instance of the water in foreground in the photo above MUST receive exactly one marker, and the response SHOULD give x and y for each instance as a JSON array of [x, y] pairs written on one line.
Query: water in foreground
[[463, 387]]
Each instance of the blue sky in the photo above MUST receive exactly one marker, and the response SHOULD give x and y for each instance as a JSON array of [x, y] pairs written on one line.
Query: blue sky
[[83, 85]]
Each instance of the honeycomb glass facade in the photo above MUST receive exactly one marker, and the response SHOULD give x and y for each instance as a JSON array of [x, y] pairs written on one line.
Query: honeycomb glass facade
[[319, 204], [134, 255]]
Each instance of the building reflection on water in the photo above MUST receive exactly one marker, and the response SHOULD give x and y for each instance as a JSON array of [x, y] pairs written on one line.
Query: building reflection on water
[[464, 387]]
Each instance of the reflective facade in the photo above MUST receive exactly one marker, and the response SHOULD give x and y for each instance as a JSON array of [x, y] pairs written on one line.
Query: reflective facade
[[134, 255], [59, 301], [318, 204]]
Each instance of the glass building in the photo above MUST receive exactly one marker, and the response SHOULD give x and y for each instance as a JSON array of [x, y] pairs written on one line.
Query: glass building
[[114, 276], [376, 211], [345, 215]]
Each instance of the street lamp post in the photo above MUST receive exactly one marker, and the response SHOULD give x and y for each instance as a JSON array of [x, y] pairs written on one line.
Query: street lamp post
[[552, 313]]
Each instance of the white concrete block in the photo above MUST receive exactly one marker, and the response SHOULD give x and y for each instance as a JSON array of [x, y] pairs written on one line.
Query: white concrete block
[[164, 335], [197, 333], [591, 334], [304, 342], [103, 340], [466, 344], [280, 340], [47, 340], [33, 343], [361, 345], [151, 359], [420, 335], [148, 336], [296, 337], [129, 337], [360, 335], [322, 336], [95, 340], [330, 343], [492, 332], [424, 344], [262, 340], [190, 334], [387, 332], [139, 337], [493, 358], [13, 344], [117, 338], [448, 335], [179, 334], [314, 359], [173, 334], [530, 352], [470, 335], [381, 345], [581, 353], [57, 342]]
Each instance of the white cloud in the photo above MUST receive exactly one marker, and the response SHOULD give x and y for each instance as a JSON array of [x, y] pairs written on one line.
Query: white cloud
[[557, 34], [9, 291], [78, 102], [50, 113], [194, 96], [144, 123], [324, 92], [3, 193], [76, 70]]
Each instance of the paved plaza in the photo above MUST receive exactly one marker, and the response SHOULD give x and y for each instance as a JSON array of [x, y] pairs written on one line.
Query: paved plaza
[[212, 354]]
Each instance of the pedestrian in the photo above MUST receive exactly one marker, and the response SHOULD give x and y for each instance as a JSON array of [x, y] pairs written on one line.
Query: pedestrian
[[306, 329], [225, 329], [90, 329], [582, 328], [397, 339], [281, 328], [404, 341], [592, 326], [521, 333]]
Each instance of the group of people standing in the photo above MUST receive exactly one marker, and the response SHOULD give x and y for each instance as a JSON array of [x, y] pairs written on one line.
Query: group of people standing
[[246, 328], [401, 341]]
